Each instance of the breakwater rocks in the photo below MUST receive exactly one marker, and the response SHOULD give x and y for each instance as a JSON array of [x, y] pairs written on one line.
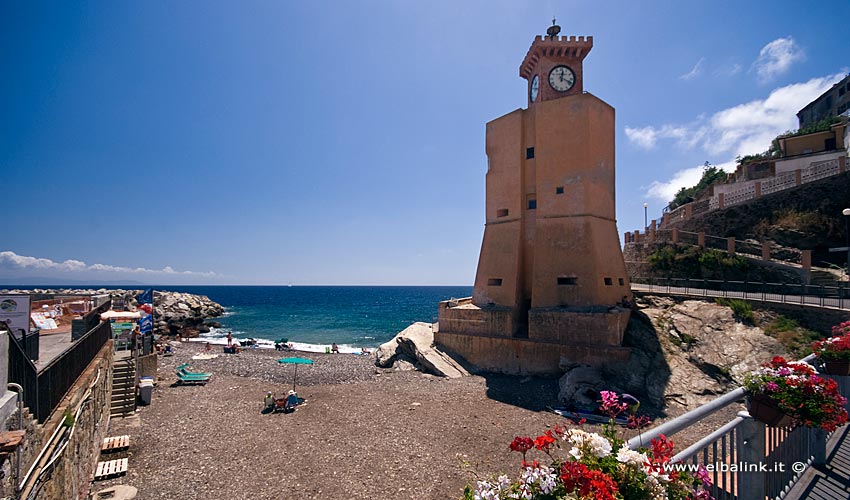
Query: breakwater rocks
[[175, 313]]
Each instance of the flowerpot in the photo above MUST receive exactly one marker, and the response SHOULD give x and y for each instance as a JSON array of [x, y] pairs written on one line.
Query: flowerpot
[[766, 410], [838, 367]]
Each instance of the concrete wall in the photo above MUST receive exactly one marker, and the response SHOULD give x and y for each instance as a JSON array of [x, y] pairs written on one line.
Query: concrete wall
[[147, 365], [801, 162], [578, 327], [526, 357], [494, 321]]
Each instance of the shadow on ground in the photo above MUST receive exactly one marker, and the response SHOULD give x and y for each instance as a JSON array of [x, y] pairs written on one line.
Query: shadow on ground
[[530, 393]]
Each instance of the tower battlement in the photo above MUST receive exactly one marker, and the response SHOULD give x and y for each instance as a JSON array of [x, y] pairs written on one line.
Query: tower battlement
[[576, 47]]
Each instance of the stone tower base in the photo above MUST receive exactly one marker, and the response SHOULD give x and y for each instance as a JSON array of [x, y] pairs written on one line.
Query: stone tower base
[[494, 341]]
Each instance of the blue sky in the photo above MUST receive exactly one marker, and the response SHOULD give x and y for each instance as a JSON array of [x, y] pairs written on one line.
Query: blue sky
[[343, 142]]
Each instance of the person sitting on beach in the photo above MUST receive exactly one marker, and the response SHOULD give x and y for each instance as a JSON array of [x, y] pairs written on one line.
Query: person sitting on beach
[[269, 400], [364, 351], [334, 348], [291, 400]]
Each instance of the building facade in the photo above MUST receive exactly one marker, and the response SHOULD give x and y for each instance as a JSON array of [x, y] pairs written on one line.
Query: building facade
[[833, 102], [551, 287]]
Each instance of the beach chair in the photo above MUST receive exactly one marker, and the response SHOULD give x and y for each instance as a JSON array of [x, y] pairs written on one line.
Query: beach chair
[[184, 376], [188, 379], [183, 369]]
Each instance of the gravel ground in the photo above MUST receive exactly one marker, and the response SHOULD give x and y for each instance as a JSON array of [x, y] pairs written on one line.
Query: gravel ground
[[363, 433]]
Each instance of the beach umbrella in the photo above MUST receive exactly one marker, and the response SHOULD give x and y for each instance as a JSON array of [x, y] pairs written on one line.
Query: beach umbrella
[[296, 362]]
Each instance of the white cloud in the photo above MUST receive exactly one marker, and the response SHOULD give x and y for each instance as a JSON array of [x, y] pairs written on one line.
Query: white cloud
[[695, 71], [15, 261], [776, 58], [665, 191], [740, 130], [646, 137], [728, 70], [737, 131]]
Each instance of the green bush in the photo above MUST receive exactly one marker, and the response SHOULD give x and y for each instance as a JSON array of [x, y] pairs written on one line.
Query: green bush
[[742, 309], [796, 339], [710, 175], [696, 262]]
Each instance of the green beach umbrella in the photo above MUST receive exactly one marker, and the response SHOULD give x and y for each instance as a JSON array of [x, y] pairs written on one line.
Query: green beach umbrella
[[296, 362]]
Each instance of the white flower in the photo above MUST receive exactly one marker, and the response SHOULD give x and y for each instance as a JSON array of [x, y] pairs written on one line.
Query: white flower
[[600, 446], [630, 457], [584, 442], [656, 490]]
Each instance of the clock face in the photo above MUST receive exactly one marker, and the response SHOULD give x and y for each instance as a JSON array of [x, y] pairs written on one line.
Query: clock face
[[562, 78], [535, 87]]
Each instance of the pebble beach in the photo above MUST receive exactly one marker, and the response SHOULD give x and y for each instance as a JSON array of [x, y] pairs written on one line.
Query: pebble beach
[[363, 433]]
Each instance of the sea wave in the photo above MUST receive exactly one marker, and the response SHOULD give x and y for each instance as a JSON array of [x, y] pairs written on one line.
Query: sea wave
[[218, 336]]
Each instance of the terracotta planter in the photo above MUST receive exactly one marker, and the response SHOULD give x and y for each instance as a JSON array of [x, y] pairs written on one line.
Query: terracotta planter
[[766, 410], [838, 367]]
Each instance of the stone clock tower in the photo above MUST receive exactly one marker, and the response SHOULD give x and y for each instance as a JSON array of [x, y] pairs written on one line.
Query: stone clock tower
[[551, 280]]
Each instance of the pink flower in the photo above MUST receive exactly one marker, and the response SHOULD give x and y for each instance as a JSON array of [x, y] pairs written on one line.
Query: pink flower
[[772, 386]]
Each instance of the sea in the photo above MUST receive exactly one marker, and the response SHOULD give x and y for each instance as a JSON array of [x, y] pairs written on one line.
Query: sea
[[314, 317]]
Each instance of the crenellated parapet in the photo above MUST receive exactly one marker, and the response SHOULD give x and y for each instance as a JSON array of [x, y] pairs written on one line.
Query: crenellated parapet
[[575, 47]]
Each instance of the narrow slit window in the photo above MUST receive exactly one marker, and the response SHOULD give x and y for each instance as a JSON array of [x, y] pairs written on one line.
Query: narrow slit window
[[494, 282], [559, 190], [609, 281], [567, 280], [529, 153], [502, 212], [621, 281]]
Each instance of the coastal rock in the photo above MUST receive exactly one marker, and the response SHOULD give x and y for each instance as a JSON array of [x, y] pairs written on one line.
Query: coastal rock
[[683, 355], [580, 386], [417, 342], [175, 313]]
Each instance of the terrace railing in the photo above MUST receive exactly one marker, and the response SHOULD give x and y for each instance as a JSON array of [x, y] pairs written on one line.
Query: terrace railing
[[44, 389], [745, 459], [826, 296]]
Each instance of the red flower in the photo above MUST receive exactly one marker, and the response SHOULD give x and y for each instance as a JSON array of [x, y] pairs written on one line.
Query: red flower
[[573, 474], [544, 442], [522, 445], [662, 449]]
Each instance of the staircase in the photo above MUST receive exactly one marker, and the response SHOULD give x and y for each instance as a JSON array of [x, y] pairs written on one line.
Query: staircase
[[826, 277], [123, 388]]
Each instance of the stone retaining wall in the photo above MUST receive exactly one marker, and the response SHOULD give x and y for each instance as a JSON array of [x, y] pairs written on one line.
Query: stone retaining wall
[[73, 470]]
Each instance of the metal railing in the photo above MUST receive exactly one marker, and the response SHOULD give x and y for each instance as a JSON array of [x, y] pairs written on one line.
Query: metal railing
[[745, 459], [44, 389], [29, 343], [835, 297]]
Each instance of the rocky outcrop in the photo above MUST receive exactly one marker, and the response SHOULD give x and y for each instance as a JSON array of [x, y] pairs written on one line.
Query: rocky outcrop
[[184, 314], [175, 313], [683, 355], [415, 346]]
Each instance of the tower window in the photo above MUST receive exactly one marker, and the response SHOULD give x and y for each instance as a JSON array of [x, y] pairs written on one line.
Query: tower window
[[609, 281], [559, 190], [502, 212], [620, 280], [532, 204], [494, 282], [529, 153], [565, 280]]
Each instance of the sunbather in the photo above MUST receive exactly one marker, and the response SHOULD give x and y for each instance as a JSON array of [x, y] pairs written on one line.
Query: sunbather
[[291, 400]]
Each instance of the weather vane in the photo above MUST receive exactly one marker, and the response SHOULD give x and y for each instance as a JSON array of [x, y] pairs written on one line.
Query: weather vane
[[553, 30]]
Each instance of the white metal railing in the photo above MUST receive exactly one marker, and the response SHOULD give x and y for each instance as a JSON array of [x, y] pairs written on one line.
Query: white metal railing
[[746, 459]]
